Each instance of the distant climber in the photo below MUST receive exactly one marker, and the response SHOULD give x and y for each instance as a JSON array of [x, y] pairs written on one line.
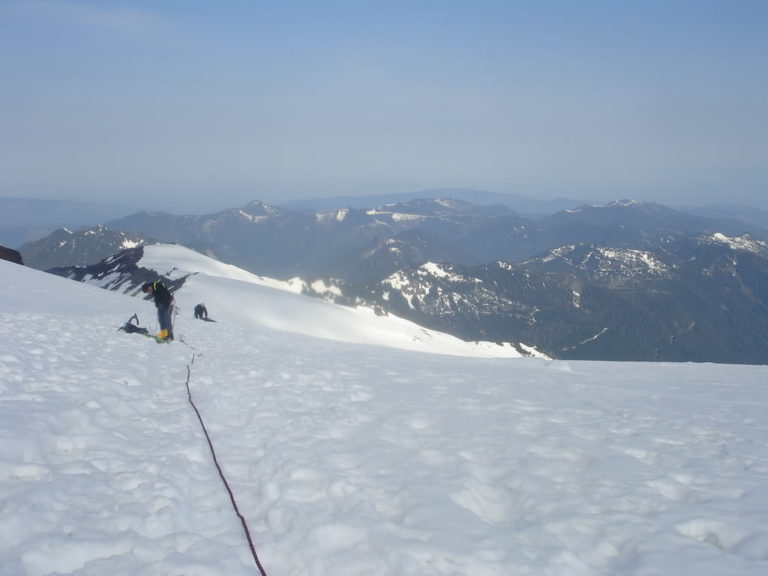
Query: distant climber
[[164, 303], [201, 312]]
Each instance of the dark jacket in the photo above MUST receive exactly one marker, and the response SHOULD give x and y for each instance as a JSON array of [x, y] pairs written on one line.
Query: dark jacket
[[163, 297]]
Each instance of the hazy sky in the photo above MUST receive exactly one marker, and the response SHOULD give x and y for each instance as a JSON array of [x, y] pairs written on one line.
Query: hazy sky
[[188, 105]]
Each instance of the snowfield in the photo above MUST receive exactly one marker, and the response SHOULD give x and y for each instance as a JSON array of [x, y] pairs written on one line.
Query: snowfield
[[349, 458]]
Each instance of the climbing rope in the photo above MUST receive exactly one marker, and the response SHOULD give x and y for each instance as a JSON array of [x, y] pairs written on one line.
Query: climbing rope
[[221, 475]]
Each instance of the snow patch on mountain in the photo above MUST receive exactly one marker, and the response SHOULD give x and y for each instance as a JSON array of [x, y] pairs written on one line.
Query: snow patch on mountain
[[400, 217], [416, 283], [605, 262], [337, 216], [127, 244], [326, 290], [744, 243], [438, 289], [251, 217], [442, 271], [397, 216], [633, 260], [504, 265]]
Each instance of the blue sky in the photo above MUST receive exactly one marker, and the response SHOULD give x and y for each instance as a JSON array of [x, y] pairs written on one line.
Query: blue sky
[[189, 105]]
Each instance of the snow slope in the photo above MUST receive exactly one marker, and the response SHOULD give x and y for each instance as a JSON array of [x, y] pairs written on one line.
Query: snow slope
[[235, 295], [355, 459]]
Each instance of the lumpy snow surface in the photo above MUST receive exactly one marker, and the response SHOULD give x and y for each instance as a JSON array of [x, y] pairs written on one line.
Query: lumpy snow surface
[[350, 459]]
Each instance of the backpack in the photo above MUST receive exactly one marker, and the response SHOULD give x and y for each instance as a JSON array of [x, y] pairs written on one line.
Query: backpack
[[132, 328]]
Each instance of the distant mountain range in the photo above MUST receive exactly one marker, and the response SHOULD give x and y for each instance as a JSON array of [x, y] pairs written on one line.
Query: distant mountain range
[[625, 280], [700, 298], [25, 220], [523, 205]]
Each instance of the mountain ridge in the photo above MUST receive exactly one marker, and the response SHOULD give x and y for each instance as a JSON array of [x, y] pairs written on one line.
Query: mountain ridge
[[644, 272]]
